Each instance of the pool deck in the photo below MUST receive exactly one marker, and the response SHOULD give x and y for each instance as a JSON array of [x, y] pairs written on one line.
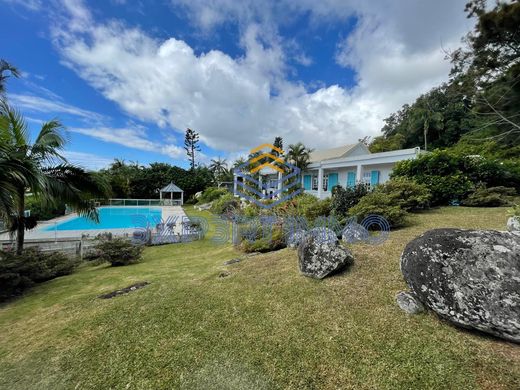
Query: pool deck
[[175, 213]]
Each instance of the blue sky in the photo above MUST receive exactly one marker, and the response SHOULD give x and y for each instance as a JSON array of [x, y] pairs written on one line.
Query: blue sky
[[128, 77]]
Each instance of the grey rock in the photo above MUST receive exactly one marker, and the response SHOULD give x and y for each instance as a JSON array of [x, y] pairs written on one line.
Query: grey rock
[[409, 303], [353, 233], [513, 224], [205, 206], [323, 234], [318, 258], [233, 261], [295, 239], [469, 277]]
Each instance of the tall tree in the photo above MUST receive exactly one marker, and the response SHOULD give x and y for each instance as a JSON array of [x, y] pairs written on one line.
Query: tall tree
[[6, 70], [278, 142], [218, 167], [299, 155], [39, 167], [191, 145]]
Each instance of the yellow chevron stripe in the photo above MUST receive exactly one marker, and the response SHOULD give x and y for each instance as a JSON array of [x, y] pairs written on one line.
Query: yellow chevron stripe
[[273, 157], [263, 146], [267, 164]]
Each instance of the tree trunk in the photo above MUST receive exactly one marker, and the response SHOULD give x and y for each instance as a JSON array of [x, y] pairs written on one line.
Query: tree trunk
[[20, 233]]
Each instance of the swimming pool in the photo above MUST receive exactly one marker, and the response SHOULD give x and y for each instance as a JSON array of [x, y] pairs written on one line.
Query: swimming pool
[[113, 218]]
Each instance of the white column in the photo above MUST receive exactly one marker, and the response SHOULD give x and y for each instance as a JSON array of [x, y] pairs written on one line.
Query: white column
[[279, 181], [235, 178], [260, 184], [182, 198], [320, 183], [359, 173]]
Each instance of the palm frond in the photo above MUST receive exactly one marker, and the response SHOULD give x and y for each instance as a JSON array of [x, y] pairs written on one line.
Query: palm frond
[[13, 126], [75, 187]]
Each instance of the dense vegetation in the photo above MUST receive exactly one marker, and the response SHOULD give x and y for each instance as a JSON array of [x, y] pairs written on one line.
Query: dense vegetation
[[477, 110], [19, 272]]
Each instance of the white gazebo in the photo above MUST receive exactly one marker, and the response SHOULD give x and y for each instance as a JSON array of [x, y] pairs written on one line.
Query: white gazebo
[[172, 188]]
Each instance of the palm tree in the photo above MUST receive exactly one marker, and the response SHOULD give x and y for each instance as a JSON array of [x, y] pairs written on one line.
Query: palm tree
[[218, 167], [41, 169], [6, 67], [428, 119], [299, 155]]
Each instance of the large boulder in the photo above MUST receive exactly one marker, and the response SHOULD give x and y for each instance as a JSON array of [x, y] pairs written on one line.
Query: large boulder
[[354, 233], [294, 239], [513, 224], [468, 277], [318, 258], [323, 234]]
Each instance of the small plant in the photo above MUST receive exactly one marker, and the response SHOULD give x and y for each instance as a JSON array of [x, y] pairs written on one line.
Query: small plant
[[20, 272], [380, 204], [346, 198], [515, 211], [406, 193], [119, 252], [225, 204], [210, 194], [270, 242], [490, 197]]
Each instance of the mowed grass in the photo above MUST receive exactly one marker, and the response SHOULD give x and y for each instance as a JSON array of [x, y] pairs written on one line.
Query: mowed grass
[[262, 327]]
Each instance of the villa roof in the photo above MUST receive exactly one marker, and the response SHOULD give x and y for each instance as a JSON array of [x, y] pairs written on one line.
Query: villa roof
[[329, 154], [171, 188]]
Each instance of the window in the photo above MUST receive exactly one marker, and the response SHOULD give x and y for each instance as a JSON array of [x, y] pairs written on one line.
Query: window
[[366, 177], [314, 183], [325, 182]]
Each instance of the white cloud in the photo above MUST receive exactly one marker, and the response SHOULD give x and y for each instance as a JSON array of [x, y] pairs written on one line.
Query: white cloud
[[32, 5], [39, 104], [87, 160], [135, 138], [236, 103]]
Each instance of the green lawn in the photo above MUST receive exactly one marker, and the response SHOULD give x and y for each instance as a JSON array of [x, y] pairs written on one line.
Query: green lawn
[[263, 326]]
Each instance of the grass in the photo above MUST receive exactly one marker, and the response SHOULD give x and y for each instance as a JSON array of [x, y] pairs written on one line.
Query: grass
[[264, 326]]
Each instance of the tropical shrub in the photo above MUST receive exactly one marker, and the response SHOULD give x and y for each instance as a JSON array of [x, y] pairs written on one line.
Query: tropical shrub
[[346, 198], [18, 272], [211, 193], [379, 203], [42, 212], [490, 197], [321, 208], [515, 211], [225, 204], [406, 193], [273, 240], [119, 251], [452, 177]]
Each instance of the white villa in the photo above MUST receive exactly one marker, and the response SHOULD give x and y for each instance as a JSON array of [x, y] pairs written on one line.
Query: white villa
[[346, 165]]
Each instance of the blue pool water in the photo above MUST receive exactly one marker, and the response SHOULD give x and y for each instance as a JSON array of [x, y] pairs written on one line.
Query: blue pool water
[[113, 218]]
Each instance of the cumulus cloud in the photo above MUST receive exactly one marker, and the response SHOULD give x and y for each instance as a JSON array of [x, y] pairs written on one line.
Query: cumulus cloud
[[395, 49]]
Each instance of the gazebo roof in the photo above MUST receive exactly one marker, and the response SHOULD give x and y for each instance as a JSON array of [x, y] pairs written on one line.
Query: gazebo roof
[[171, 188]]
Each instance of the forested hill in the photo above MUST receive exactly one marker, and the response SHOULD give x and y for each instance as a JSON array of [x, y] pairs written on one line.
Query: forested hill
[[478, 110]]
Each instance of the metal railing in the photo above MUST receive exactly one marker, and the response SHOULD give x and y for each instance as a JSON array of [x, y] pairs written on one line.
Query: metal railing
[[138, 202]]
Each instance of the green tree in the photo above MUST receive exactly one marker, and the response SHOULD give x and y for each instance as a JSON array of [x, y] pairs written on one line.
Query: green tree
[[39, 167], [299, 155], [6, 70], [278, 142], [191, 145], [218, 167]]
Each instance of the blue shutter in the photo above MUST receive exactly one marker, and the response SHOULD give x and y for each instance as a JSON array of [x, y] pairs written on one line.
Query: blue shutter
[[307, 182], [351, 179], [374, 178], [333, 181]]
